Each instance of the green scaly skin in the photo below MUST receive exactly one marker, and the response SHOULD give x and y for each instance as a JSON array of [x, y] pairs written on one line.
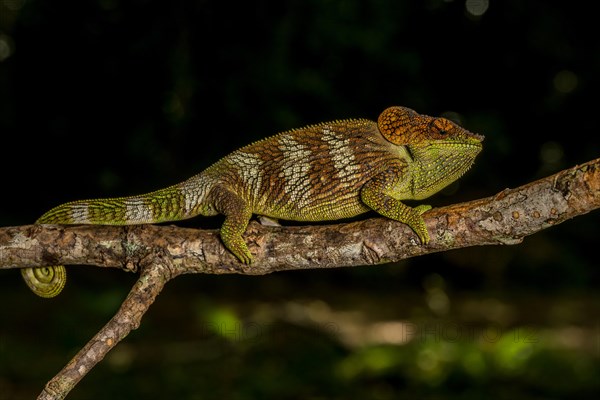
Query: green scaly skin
[[321, 172]]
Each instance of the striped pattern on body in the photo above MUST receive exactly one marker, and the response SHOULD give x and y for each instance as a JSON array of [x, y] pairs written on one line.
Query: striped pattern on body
[[309, 174]]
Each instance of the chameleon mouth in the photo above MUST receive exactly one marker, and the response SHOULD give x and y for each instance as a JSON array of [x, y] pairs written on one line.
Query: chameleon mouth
[[409, 152]]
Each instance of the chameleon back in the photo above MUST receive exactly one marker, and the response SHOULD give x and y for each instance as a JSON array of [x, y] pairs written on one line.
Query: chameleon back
[[309, 174]]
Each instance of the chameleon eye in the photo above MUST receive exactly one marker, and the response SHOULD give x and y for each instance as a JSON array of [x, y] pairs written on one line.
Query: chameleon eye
[[442, 126]]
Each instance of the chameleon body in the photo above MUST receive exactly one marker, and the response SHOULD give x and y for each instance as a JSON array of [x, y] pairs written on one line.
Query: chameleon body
[[321, 172]]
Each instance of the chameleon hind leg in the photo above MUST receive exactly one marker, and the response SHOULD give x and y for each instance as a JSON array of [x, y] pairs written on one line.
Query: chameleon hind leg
[[237, 216]]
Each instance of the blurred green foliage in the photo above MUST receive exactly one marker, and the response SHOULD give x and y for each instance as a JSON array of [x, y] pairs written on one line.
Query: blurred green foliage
[[110, 97]]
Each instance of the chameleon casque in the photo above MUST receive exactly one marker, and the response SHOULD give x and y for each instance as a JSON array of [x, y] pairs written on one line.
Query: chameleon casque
[[321, 172]]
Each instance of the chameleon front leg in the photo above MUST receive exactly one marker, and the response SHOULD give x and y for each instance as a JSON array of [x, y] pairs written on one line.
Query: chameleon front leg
[[237, 216], [375, 195]]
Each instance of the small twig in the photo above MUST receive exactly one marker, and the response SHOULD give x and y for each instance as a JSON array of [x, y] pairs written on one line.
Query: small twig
[[152, 279]]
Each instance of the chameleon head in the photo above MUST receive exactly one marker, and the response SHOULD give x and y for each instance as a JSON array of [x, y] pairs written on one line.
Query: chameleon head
[[440, 151]]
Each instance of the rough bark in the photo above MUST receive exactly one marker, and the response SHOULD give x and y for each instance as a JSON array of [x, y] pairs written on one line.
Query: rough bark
[[164, 252]]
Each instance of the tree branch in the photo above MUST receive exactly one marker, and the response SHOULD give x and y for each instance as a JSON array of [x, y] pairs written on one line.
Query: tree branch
[[164, 252]]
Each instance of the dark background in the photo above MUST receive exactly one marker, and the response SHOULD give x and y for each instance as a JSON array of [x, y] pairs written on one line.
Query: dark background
[[110, 98]]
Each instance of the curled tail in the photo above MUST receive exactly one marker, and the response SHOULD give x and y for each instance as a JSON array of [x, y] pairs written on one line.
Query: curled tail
[[171, 204], [46, 281]]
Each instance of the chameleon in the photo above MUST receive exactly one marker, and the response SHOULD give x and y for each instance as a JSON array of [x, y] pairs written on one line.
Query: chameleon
[[321, 172]]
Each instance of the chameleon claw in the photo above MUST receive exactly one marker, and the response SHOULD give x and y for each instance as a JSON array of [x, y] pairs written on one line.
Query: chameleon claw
[[416, 222], [238, 247], [246, 259]]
